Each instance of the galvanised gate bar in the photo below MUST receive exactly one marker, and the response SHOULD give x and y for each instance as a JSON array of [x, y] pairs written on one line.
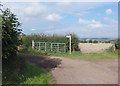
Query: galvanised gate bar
[[48, 46]]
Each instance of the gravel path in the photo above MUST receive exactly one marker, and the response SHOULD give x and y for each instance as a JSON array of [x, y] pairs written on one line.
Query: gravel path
[[74, 71]]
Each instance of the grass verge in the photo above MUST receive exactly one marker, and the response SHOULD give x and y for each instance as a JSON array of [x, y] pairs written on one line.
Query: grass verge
[[31, 75], [35, 75], [78, 55]]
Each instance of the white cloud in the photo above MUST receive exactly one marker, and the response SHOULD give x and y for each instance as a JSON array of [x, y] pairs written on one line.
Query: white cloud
[[81, 21], [109, 11], [63, 3], [26, 9], [90, 23], [95, 24], [82, 13], [33, 29], [14, 7], [53, 17], [87, 28], [34, 9]]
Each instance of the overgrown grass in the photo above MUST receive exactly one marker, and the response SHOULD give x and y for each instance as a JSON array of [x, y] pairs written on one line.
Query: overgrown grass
[[31, 75], [79, 55], [35, 75], [109, 54], [34, 52]]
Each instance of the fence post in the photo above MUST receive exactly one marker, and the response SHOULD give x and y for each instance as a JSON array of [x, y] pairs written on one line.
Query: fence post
[[57, 47], [39, 46], [33, 44], [114, 47], [45, 46], [64, 48], [51, 46]]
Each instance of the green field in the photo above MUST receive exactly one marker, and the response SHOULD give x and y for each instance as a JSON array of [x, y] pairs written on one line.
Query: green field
[[78, 55]]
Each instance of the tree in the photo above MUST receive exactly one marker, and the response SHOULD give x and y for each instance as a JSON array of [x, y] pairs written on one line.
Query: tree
[[95, 41], [117, 44], [90, 41], [10, 40]]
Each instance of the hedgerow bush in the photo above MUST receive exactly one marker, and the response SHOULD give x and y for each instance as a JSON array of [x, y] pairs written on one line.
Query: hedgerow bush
[[27, 40], [37, 52], [11, 63], [117, 44]]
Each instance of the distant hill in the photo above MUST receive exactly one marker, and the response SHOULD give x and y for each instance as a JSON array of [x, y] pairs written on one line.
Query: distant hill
[[100, 39]]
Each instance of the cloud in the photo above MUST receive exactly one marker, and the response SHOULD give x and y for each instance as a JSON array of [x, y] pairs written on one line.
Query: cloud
[[95, 24], [26, 10], [90, 23], [53, 17], [14, 7], [33, 29], [63, 3], [35, 15], [87, 29], [34, 9], [109, 11], [82, 13]]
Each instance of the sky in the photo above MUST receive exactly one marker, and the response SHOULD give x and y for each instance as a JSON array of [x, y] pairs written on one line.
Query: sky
[[86, 19]]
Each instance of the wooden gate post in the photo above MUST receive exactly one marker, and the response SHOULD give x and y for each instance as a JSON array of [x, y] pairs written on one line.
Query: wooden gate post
[[33, 44]]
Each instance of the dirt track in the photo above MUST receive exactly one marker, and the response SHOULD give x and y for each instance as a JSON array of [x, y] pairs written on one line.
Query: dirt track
[[76, 71], [73, 71]]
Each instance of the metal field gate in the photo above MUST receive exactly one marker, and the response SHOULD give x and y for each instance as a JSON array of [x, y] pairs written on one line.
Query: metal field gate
[[47, 46]]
